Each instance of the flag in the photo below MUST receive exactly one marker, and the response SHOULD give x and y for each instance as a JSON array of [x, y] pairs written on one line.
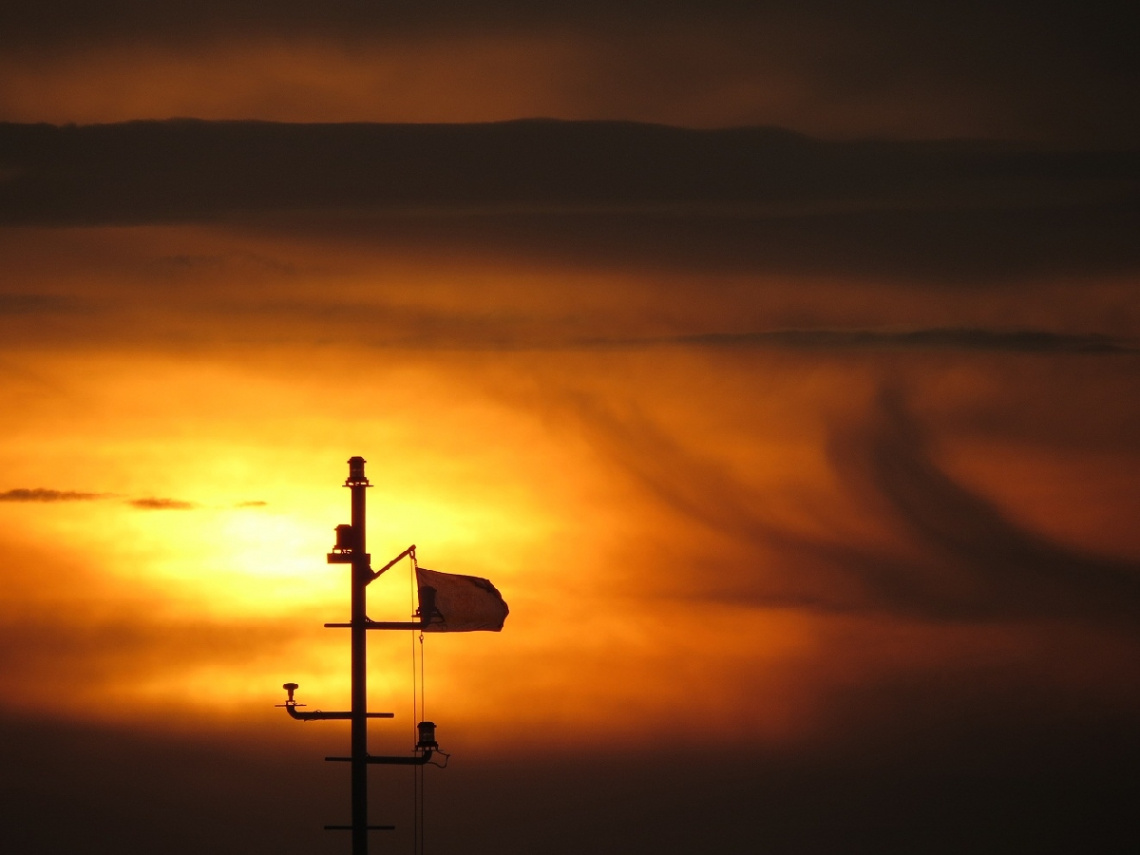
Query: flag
[[452, 603]]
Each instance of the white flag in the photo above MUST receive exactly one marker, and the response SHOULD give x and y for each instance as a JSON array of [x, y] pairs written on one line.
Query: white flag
[[452, 603]]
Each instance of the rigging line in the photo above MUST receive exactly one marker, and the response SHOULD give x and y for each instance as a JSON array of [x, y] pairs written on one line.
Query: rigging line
[[418, 770], [416, 846], [412, 595], [423, 712], [419, 785]]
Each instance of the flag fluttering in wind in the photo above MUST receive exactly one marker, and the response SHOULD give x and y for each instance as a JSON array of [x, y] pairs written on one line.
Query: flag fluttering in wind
[[452, 603]]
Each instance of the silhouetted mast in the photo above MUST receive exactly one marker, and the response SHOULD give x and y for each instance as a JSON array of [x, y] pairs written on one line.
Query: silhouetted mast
[[361, 573], [447, 603], [350, 548]]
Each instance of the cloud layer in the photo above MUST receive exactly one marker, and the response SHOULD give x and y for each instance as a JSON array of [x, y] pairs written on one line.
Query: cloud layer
[[1041, 71], [157, 171], [42, 494], [808, 469]]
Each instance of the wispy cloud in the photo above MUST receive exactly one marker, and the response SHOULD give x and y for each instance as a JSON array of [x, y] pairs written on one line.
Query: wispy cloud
[[162, 504], [146, 503], [975, 562], [955, 555], [938, 338], [42, 494], [388, 325]]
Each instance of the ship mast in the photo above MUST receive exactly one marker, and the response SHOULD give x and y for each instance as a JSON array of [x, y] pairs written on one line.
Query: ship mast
[[351, 549]]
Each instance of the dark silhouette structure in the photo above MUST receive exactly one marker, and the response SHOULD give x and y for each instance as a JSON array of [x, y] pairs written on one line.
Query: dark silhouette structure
[[350, 549]]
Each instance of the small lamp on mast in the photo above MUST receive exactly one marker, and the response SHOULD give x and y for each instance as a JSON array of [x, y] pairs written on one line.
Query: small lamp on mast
[[427, 736]]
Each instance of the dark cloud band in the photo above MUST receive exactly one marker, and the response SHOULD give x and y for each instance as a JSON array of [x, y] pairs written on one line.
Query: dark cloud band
[[160, 504], [41, 494], [1014, 341], [192, 170]]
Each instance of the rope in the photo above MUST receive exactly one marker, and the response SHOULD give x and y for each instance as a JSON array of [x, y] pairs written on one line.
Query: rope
[[417, 771], [420, 769], [420, 801]]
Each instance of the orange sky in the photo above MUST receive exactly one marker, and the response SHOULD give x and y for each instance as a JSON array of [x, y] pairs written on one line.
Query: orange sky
[[667, 520], [808, 469]]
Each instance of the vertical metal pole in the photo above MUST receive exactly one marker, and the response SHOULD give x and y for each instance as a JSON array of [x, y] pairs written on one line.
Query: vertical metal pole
[[360, 571]]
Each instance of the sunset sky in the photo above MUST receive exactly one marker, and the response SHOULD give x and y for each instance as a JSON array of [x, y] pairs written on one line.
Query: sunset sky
[[778, 362]]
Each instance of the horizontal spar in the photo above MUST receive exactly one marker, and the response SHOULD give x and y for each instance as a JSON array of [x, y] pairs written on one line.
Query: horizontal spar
[[382, 624], [370, 828], [416, 760], [318, 715]]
